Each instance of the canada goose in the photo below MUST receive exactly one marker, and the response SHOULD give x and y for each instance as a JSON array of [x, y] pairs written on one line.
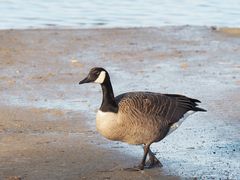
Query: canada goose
[[138, 117]]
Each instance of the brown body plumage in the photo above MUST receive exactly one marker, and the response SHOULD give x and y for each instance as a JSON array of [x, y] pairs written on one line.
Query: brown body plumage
[[144, 117], [138, 117]]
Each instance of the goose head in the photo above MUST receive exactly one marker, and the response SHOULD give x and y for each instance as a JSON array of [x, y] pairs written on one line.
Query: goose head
[[96, 75]]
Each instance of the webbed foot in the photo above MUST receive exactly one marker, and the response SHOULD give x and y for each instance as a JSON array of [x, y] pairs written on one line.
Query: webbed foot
[[153, 161], [140, 167]]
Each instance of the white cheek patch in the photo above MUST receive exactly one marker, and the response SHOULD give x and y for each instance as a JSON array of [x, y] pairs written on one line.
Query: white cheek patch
[[101, 77]]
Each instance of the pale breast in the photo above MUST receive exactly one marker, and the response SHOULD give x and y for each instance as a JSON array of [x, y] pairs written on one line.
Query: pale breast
[[106, 124]]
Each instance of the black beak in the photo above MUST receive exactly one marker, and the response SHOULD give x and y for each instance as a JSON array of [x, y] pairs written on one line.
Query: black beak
[[85, 80]]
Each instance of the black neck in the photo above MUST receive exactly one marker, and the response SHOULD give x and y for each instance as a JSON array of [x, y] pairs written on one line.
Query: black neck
[[108, 102]]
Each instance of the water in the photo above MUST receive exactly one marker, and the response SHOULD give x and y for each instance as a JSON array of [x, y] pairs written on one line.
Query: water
[[114, 13]]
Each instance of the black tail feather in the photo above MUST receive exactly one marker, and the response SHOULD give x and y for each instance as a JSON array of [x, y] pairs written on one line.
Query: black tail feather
[[195, 100], [199, 109], [188, 103]]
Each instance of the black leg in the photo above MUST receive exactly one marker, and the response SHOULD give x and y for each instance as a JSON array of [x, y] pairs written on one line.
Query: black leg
[[142, 164], [146, 149], [153, 161]]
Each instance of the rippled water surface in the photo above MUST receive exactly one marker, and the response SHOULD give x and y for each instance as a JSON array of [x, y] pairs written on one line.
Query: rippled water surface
[[113, 13]]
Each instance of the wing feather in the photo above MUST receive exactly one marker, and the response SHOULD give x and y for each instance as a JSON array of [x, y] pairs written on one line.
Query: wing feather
[[149, 107]]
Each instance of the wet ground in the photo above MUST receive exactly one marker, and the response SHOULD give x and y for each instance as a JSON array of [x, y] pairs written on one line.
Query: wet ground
[[47, 121]]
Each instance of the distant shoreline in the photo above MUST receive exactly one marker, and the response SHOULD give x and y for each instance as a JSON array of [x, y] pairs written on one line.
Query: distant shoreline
[[226, 30]]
